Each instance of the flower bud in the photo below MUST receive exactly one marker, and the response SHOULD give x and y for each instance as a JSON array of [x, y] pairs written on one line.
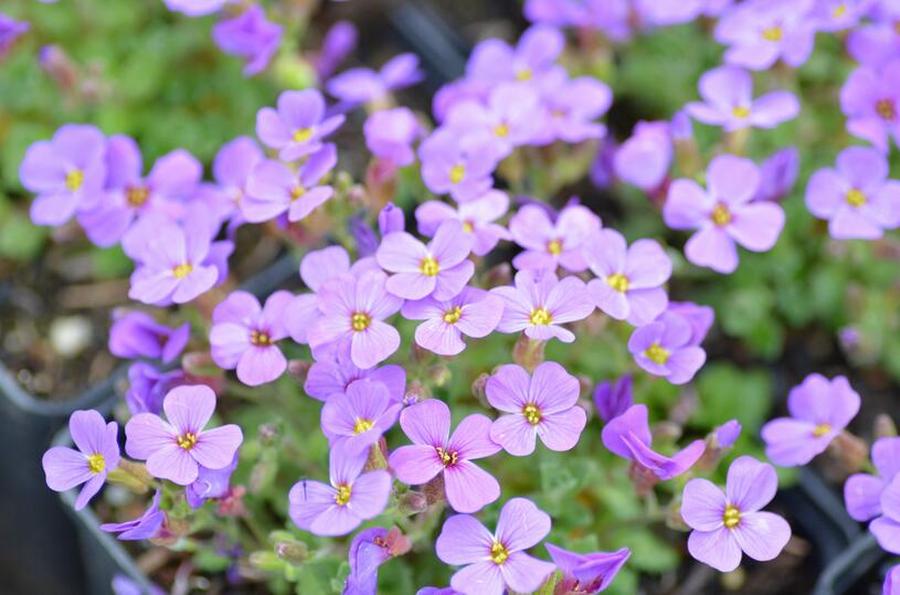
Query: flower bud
[[528, 352], [295, 552], [612, 399], [884, 426], [298, 369], [413, 503], [390, 219]]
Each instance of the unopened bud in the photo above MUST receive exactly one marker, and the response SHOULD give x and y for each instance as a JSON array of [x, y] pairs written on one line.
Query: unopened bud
[[434, 490], [266, 561], [885, 426], [131, 475], [298, 369], [528, 352], [479, 387], [413, 503], [440, 374], [294, 552], [498, 276]]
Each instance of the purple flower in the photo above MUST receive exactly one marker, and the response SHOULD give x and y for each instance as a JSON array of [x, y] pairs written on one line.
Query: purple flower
[[130, 198], [862, 491], [448, 166], [232, 167], [727, 92], [338, 43], [136, 334], [724, 214], [472, 312], [146, 526], [533, 58], [550, 244], [629, 278], [327, 377], [819, 410], [778, 174], [856, 197], [244, 336], [539, 307], [628, 436], [612, 399], [572, 107], [892, 581], [727, 523], [210, 483], [353, 309], [97, 455], [249, 36], [435, 451], [700, 318], [727, 434], [837, 15], [299, 125], [391, 219], [760, 32], [173, 267], [352, 497], [148, 386], [273, 189], [644, 159], [441, 269], [587, 573], [363, 85], [122, 585], [542, 405], [886, 528], [175, 449], [495, 561], [871, 101], [477, 217], [874, 45], [665, 348], [357, 418], [10, 31], [370, 549], [390, 134], [195, 8], [67, 173]]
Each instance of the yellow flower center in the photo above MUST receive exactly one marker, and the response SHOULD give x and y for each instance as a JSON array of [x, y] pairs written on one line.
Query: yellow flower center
[[524, 74], [297, 191], [448, 458], [839, 11], [501, 130], [468, 226], [136, 196], [885, 109], [657, 354], [821, 430], [855, 198], [343, 494], [457, 173], [301, 135], [74, 180], [740, 111], [360, 321], [362, 425], [187, 441], [260, 338], [555, 247], [540, 316], [453, 315], [773, 33], [532, 414], [182, 270], [618, 281], [721, 216], [429, 266], [96, 463], [499, 553], [731, 518]]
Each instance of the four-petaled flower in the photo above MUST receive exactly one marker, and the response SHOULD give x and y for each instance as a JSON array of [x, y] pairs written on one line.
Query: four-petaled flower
[[549, 244], [539, 306], [299, 125], [473, 312]]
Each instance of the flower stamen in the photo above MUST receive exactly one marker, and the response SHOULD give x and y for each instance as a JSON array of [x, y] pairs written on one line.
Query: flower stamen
[[657, 354], [618, 281], [540, 317], [731, 518], [96, 463], [343, 495], [183, 270], [429, 266], [499, 553], [74, 179], [187, 441], [532, 414], [360, 321], [453, 315]]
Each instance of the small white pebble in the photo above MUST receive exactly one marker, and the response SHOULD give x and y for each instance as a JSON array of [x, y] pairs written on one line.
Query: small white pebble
[[70, 335]]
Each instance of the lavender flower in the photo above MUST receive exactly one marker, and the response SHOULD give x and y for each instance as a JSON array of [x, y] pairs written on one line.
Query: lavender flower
[[761, 32], [725, 524], [210, 484], [10, 31], [97, 455], [612, 399], [353, 311], [137, 334], [892, 581], [572, 107], [542, 405], [533, 58], [463, 171], [477, 217], [886, 528], [175, 449], [665, 348], [273, 189], [231, 169], [856, 198], [539, 307], [778, 174], [644, 159], [587, 573], [146, 526], [862, 491], [496, 561], [195, 8], [299, 125], [352, 497], [871, 101], [441, 269], [723, 214], [327, 377], [339, 42], [630, 279], [244, 336], [249, 36], [819, 410], [370, 549], [357, 418], [472, 312], [67, 173], [390, 134], [550, 244], [628, 435], [727, 93], [700, 318], [435, 451], [363, 85], [148, 386]]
